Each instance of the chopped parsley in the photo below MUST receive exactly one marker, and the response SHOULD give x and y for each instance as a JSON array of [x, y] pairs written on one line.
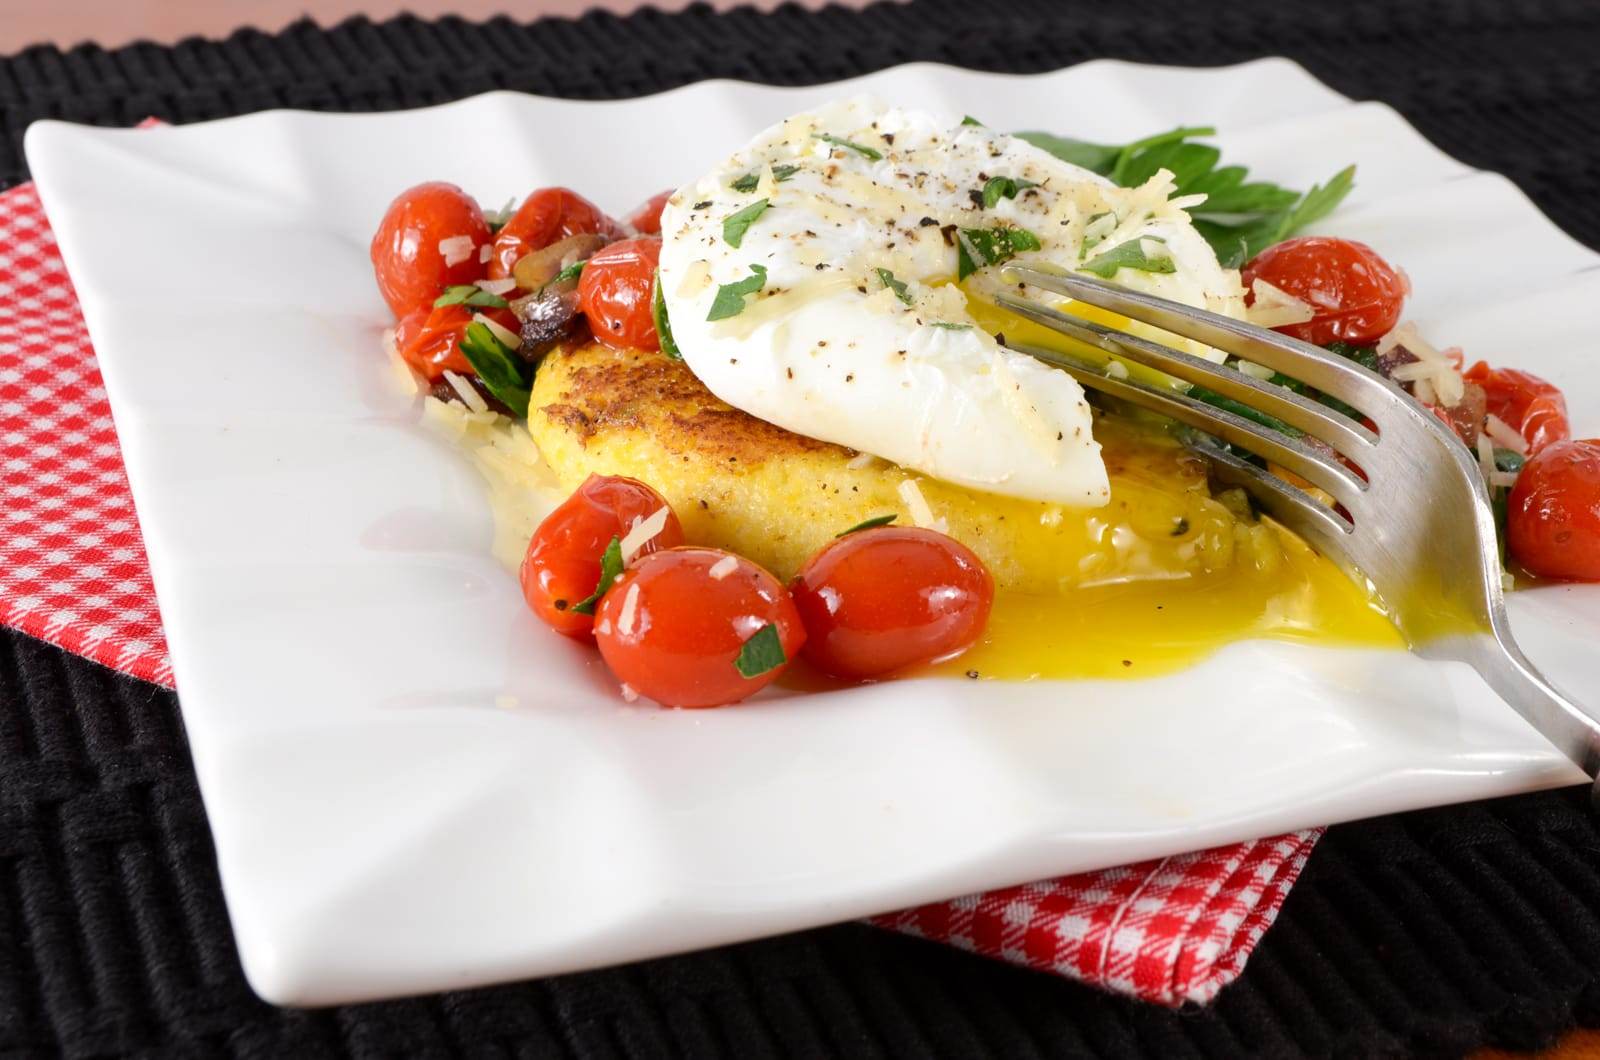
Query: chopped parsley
[[761, 654], [1129, 255], [997, 188], [750, 180], [897, 286], [469, 294], [871, 153], [869, 524], [991, 246], [610, 571], [970, 120], [729, 301], [498, 368], [658, 313], [571, 272], [1239, 218], [735, 225]]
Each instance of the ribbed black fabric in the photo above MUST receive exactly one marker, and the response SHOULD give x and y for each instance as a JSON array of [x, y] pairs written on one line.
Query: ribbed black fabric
[[1429, 932]]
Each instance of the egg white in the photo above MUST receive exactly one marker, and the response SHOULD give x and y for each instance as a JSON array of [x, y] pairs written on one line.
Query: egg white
[[828, 349]]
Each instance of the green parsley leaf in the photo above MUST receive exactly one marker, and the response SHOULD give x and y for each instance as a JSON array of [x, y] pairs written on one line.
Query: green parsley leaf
[[970, 120], [948, 326], [498, 368], [610, 571], [869, 524], [762, 653], [1239, 218], [1129, 255], [571, 272], [469, 294], [729, 301], [748, 182], [897, 286], [978, 247], [838, 141], [1508, 460], [658, 313], [1211, 397], [735, 225], [997, 188]]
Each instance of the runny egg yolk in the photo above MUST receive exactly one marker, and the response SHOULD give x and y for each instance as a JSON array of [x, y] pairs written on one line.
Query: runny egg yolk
[[1271, 585]]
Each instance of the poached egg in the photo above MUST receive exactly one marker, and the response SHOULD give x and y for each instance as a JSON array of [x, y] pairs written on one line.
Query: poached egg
[[820, 278]]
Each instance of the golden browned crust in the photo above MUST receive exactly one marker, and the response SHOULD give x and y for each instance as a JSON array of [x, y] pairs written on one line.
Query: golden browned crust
[[599, 391]]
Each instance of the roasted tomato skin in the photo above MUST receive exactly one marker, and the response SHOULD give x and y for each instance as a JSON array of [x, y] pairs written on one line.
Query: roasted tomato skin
[[1533, 407], [545, 216], [615, 293], [410, 270], [881, 600], [646, 219], [673, 626], [1553, 516], [1356, 295], [429, 340], [562, 564]]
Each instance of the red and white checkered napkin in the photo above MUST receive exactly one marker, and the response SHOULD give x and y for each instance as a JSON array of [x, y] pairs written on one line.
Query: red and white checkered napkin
[[73, 572]]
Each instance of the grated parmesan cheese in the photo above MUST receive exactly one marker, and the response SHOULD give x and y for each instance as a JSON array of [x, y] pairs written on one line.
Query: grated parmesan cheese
[[1439, 382], [723, 567], [456, 249], [1274, 307], [1503, 479], [469, 396], [505, 286], [917, 505], [1116, 370], [485, 252], [1504, 435], [402, 370], [643, 532], [628, 694], [860, 460], [1485, 455], [510, 339]]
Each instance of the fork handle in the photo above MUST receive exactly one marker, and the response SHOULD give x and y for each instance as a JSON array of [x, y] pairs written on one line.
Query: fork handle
[[1574, 731]]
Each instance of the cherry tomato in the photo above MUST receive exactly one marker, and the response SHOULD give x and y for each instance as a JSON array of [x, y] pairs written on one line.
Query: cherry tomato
[[1354, 293], [615, 293], [1532, 407], [1553, 518], [675, 624], [410, 267], [545, 216], [646, 219], [562, 566], [877, 601], [429, 340]]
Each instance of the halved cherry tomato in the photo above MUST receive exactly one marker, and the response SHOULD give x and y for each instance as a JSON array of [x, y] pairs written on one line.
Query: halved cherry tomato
[[1355, 294], [545, 216], [1532, 407], [410, 267], [877, 601], [675, 624], [646, 219], [1553, 518], [615, 293], [429, 340], [562, 566]]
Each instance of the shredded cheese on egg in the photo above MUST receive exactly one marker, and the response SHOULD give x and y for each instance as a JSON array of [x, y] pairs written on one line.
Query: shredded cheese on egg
[[917, 505]]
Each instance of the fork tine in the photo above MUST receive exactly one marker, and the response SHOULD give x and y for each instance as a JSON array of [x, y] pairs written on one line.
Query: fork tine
[[1326, 530], [1317, 468], [1328, 372], [1344, 434]]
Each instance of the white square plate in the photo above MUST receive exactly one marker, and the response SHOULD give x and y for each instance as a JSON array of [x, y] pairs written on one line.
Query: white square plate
[[341, 634]]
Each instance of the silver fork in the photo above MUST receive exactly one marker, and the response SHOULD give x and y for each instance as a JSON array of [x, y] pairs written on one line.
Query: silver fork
[[1420, 531]]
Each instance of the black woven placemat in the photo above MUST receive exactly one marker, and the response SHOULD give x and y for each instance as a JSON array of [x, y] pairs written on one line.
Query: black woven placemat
[[1433, 932]]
